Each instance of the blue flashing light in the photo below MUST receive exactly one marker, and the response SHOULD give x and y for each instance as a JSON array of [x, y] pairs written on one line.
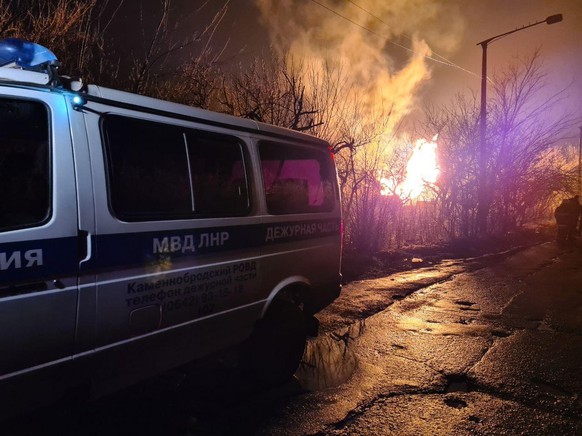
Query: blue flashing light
[[25, 54], [78, 101]]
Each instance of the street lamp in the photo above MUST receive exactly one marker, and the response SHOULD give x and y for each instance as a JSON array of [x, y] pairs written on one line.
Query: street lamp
[[483, 204]]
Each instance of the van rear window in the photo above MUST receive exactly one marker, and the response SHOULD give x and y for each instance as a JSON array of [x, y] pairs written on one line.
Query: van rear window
[[24, 164], [296, 179], [158, 171]]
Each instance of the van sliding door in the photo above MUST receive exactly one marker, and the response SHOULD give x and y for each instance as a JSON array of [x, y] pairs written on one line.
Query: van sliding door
[[176, 274]]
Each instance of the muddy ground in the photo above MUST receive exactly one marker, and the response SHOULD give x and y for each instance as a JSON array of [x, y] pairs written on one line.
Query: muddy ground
[[359, 267], [372, 283]]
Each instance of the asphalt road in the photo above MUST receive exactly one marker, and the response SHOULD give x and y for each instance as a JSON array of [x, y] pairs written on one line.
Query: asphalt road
[[488, 346], [496, 350]]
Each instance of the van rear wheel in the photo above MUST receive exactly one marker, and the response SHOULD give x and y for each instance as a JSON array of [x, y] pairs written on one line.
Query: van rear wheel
[[274, 350]]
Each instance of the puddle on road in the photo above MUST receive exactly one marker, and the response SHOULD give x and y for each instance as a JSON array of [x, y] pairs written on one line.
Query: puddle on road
[[461, 327], [328, 360]]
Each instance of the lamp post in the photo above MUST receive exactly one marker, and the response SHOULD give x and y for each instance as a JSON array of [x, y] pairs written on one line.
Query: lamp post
[[483, 203]]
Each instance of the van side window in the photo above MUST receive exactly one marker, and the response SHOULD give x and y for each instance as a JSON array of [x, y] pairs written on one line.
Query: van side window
[[296, 179], [219, 179], [148, 171], [158, 171], [24, 164]]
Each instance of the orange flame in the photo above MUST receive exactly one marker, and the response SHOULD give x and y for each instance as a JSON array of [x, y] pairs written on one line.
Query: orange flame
[[421, 170]]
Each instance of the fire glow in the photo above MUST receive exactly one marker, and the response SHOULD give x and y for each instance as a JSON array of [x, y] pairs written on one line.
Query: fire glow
[[421, 170]]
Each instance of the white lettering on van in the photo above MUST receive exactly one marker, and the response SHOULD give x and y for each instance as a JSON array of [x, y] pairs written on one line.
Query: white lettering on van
[[198, 292], [19, 259], [213, 239], [290, 231]]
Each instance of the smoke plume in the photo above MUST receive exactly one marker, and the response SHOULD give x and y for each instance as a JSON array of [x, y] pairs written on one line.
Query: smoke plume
[[387, 61]]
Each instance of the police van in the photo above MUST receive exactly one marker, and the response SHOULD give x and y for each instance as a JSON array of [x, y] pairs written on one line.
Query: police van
[[137, 235]]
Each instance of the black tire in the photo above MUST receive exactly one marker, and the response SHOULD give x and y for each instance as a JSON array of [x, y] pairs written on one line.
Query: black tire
[[271, 355]]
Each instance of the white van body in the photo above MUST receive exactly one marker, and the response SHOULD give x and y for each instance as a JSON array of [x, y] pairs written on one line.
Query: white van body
[[138, 234]]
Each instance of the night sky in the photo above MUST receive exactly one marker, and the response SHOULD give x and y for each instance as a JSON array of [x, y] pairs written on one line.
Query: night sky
[[375, 37]]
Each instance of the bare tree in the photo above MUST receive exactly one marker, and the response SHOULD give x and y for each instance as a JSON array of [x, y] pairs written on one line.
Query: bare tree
[[525, 166], [150, 73], [269, 91], [195, 83], [68, 28], [456, 189], [367, 213], [526, 127]]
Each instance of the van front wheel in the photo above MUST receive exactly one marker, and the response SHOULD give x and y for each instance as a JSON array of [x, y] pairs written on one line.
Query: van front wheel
[[274, 350]]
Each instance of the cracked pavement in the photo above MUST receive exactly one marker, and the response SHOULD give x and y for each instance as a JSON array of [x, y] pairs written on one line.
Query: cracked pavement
[[488, 349]]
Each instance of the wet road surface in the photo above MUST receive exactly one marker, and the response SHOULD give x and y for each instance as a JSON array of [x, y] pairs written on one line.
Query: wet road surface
[[487, 346]]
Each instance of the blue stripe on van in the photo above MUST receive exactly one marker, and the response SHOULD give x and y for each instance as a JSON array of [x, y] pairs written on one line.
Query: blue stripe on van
[[30, 261], [51, 258], [143, 248], [136, 248]]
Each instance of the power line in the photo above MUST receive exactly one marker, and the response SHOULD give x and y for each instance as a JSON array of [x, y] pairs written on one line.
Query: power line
[[445, 62], [451, 63], [376, 34], [390, 27]]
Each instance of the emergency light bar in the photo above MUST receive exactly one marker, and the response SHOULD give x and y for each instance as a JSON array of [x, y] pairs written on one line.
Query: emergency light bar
[[25, 61], [25, 54]]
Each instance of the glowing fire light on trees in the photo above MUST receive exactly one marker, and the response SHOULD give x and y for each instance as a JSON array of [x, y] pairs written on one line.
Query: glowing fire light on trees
[[421, 170]]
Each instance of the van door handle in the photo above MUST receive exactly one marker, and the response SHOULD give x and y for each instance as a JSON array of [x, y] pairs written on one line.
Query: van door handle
[[84, 246]]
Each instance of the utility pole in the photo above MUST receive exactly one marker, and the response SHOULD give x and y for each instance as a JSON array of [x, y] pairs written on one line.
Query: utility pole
[[483, 194]]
